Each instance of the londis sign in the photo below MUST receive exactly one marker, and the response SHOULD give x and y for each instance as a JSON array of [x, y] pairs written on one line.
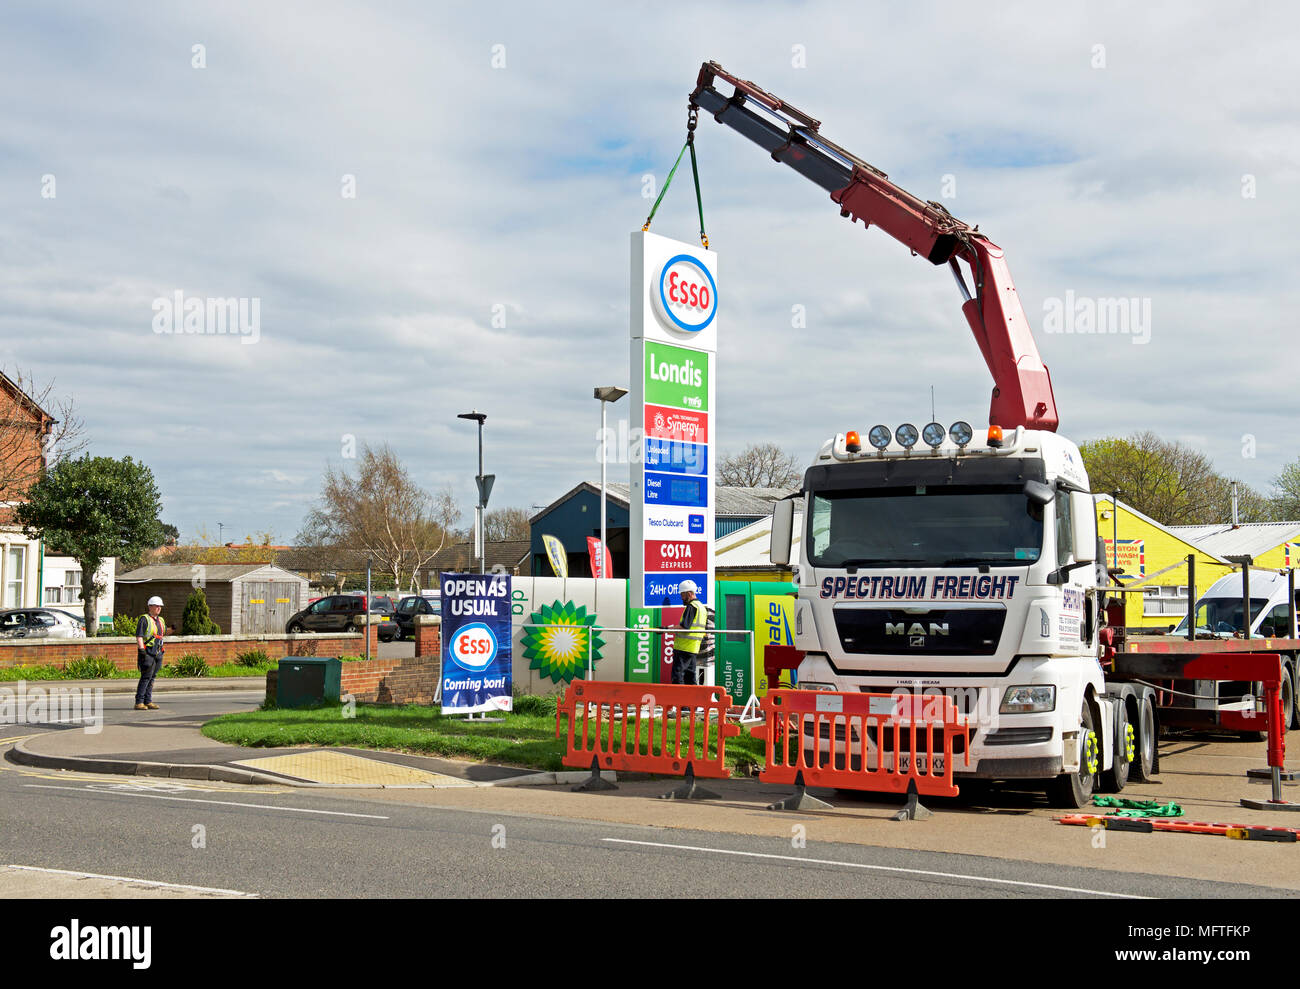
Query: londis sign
[[685, 294]]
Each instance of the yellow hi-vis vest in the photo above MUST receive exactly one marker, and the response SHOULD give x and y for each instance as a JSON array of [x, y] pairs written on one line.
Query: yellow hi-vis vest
[[155, 630], [689, 641]]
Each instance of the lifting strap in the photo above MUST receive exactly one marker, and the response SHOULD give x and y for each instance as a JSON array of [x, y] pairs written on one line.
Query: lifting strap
[[695, 171]]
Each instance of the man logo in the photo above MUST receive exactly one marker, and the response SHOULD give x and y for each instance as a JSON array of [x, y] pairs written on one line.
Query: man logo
[[916, 629], [917, 641]]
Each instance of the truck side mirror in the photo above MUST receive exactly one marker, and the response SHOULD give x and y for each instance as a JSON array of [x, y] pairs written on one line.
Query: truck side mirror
[[782, 533], [1083, 519]]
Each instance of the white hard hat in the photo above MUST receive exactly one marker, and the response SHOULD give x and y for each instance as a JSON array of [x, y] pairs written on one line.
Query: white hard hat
[[155, 600], [687, 585]]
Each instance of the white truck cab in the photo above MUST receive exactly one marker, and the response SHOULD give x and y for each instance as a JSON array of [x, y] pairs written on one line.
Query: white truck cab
[[967, 567]]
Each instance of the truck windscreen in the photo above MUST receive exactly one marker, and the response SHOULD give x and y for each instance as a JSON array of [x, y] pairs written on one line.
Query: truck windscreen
[[920, 525]]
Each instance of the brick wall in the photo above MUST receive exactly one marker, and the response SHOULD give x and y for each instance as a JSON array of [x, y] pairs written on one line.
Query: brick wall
[[214, 649], [393, 681]]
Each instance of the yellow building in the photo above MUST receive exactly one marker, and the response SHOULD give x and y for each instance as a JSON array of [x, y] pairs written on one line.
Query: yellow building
[[1154, 558]]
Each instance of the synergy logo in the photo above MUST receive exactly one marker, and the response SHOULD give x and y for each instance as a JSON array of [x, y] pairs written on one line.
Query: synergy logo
[[686, 295], [474, 647]]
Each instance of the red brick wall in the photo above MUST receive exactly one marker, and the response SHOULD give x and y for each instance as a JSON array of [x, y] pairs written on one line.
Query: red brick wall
[[392, 681], [215, 649]]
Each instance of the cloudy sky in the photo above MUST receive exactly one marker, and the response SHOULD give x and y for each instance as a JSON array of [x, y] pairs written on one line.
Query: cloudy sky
[[499, 154]]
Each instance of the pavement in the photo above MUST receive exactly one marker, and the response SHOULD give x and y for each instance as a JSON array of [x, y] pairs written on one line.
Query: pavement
[[168, 745]]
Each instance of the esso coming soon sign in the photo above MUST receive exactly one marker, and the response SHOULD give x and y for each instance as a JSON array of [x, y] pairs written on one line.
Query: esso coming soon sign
[[686, 295], [474, 647]]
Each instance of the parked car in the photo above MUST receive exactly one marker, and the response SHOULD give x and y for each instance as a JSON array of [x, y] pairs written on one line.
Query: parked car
[[383, 606], [408, 608], [340, 613], [39, 623]]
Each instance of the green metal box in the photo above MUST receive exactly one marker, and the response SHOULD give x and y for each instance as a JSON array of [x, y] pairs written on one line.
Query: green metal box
[[306, 680]]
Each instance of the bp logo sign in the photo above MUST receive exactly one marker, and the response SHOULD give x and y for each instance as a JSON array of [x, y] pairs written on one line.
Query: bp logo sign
[[558, 646]]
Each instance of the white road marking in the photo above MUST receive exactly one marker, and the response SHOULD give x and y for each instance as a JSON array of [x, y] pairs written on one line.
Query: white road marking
[[129, 879], [196, 800], [879, 868]]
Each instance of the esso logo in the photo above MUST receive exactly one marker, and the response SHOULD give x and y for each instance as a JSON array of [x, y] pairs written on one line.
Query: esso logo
[[686, 294], [474, 647]]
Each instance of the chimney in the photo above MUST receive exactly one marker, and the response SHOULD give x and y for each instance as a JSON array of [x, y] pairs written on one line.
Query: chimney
[[1234, 505]]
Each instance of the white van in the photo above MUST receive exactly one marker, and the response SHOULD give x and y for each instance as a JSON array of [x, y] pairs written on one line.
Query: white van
[[1218, 610]]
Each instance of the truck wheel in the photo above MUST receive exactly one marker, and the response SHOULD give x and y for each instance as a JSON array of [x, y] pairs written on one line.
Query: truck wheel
[[1074, 790], [1287, 689], [1116, 778], [1143, 768], [1295, 692]]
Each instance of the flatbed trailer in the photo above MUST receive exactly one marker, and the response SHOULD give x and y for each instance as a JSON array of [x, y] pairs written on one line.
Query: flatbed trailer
[[1208, 683]]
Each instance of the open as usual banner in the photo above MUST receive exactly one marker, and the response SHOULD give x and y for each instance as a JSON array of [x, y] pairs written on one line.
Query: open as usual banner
[[476, 644]]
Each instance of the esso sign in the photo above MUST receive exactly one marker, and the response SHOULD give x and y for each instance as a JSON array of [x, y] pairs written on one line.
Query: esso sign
[[474, 647], [686, 295]]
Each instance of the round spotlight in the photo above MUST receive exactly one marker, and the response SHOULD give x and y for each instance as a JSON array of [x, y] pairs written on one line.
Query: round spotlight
[[879, 437], [961, 432], [907, 435], [933, 435]]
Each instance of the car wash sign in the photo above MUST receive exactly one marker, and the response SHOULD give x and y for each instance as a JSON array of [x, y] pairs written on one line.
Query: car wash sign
[[674, 343], [476, 653]]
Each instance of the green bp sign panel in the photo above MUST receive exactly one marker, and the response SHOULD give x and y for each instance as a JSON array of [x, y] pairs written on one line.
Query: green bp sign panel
[[674, 332]]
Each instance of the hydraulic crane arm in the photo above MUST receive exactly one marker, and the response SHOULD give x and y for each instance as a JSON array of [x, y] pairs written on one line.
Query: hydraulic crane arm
[[1022, 386]]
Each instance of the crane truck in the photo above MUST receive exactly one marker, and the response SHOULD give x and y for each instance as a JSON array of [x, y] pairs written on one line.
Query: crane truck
[[956, 560]]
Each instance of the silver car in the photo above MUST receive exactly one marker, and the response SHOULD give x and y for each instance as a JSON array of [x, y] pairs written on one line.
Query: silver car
[[39, 623]]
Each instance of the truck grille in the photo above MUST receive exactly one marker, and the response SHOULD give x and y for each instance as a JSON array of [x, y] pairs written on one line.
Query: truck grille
[[942, 631]]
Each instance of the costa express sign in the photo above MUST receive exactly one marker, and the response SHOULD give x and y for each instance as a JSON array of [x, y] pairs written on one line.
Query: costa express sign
[[685, 294]]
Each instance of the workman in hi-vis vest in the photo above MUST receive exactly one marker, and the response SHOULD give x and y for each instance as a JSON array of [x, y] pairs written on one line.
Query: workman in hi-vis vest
[[149, 655], [689, 638]]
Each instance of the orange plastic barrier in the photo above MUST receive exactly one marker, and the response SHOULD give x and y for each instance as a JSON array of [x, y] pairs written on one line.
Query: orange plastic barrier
[[1247, 831], [615, 723], [825, 735]]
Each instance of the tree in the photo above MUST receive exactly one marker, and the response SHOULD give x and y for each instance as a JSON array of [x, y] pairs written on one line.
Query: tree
[[380, 513], [92, 509], [761, 465], [170, 535], [1286, 497], [197, 619], [1172, 483], [506, 523], [37, 430]]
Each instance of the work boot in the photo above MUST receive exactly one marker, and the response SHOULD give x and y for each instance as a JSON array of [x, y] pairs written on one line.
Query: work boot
[[142, 707], [152, 707]]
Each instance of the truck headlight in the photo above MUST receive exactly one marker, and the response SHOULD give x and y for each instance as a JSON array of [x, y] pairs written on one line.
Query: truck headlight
[[810, 685], [1028, 700]]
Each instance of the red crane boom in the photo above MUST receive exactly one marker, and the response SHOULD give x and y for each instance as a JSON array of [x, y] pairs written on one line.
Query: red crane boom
[[1022, 386]]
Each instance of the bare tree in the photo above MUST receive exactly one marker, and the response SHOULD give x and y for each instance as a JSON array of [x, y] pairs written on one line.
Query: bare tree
[[381, 513], [506, 523], [761, 465], [38, 429], [1172, 483]]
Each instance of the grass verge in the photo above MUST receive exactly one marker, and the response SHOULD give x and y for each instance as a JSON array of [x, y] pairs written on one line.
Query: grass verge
[[524, 737]]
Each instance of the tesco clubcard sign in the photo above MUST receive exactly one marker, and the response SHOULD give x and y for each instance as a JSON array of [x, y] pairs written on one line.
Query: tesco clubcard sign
[[686, 296]]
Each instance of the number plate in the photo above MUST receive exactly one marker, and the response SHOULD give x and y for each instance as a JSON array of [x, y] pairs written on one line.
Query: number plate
[[905, 761]]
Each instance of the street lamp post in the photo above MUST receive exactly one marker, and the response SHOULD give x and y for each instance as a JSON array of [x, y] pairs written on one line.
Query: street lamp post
[[607, 394], [484, 482]]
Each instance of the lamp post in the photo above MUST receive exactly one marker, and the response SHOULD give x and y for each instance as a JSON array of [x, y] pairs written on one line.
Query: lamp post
[[484, 482], [606, 395]]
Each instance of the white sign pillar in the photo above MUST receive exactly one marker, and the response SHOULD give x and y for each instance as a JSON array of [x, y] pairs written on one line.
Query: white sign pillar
[[674, 340]]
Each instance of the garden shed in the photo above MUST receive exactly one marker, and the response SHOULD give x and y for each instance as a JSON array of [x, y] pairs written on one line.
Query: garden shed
[[244, 599]]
